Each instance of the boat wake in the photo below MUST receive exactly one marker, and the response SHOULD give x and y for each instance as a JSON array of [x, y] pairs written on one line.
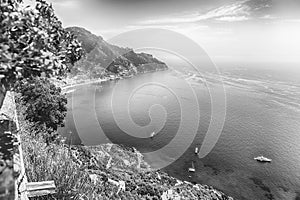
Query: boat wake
[[278, 92]]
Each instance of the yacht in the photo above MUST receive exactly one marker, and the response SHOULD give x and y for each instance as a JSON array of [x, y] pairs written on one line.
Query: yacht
[[192, 169], [152, 134], [262, 159], [196, 150]]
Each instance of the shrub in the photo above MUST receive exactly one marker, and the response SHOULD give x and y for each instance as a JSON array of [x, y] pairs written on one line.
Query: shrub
[[44, 103], [54, 162], [33, 42]]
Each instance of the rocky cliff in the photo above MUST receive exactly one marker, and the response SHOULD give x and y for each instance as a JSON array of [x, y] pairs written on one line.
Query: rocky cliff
[[126, 175]]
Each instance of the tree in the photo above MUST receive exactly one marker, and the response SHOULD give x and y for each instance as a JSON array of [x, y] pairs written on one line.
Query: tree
[[33, 42], [45, 106]]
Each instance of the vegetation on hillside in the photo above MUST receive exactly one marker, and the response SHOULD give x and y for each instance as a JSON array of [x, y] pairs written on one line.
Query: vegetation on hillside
[[50, 161], [96, 172], [44, 105], [33, 43], [102, 58]]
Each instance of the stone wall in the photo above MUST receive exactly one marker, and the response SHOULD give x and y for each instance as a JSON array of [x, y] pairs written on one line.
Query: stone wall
[[7, 146]]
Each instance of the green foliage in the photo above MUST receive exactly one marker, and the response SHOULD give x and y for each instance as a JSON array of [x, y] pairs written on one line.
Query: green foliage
[[44, 104], [54, 162], [33, 42], [146, 189]]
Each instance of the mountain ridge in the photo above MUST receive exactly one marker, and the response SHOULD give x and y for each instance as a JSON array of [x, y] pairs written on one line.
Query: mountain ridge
[[102, 57]]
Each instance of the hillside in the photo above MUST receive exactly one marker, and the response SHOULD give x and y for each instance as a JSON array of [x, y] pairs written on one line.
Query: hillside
[[107, 171], [109, 162], [102, 57]]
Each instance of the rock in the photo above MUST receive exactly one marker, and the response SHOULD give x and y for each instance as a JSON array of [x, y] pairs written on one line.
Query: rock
[[108, 165], [93, 178], [126, 162], [122, 186]]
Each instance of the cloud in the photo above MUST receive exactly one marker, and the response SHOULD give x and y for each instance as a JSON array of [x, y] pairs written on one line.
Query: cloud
[[270, 17], [238, 11], [233, 18]]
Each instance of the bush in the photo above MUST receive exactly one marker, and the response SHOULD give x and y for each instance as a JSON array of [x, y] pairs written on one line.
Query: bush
[[54, 162], [146, 189], [43, 105], [33, 42]]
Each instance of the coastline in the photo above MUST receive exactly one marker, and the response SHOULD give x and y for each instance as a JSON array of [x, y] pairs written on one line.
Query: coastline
[[68, 83], [120, 163], [107, 171]]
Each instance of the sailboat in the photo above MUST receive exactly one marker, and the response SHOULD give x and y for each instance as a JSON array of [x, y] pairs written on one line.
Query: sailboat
[[192, 169]]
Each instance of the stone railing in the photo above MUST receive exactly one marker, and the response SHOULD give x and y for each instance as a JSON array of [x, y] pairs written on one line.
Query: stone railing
[[7, 147], [13, 180]]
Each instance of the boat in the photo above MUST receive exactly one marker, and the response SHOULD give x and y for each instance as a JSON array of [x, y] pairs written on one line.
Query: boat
[[152, 134], [262, 159], [192, 169], [196, 150]]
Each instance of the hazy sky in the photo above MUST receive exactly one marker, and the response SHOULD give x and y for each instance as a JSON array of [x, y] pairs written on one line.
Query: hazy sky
[[227, 29]]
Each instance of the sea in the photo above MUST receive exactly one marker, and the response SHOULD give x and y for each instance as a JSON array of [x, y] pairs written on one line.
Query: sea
[[245, 110]]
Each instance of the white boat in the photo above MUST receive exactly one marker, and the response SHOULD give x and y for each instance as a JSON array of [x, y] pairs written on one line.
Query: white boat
[[196, 150], [152, 134], [192, 169], [262, 159]]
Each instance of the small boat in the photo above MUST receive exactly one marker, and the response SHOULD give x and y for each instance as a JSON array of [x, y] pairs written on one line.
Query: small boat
[[192, 169], [196, 150], [152, 134], [262, 159]]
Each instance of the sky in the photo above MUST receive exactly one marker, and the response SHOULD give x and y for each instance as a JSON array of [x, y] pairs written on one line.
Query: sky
[[261, 30]]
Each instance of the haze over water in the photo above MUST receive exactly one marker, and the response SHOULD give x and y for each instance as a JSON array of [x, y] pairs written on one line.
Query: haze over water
[[262, 118]]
